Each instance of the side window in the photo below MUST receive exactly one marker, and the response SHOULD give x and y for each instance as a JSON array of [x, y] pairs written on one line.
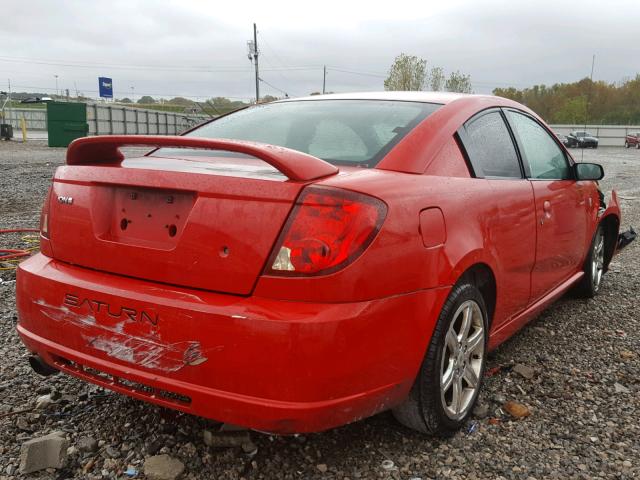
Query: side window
[[546, 159], [490, 148]]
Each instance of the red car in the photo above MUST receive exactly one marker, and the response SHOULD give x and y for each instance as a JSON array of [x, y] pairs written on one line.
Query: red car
[[299, 265], [632, 140]]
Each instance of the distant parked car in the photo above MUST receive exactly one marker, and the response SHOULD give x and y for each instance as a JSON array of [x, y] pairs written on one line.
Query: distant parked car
[[632, 140], [582, 140], [37, 100], [563, 139]]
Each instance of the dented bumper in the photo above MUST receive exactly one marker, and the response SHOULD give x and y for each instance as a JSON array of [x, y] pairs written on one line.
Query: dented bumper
[[268, 364]]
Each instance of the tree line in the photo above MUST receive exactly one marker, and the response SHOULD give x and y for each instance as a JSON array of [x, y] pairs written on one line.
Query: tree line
[[410, 73], [584, 101]]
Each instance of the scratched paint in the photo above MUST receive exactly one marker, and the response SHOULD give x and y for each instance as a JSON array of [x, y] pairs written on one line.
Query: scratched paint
[[150, 353]]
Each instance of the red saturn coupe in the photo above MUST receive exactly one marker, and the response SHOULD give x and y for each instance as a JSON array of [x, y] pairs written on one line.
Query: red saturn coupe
[[306, 263]]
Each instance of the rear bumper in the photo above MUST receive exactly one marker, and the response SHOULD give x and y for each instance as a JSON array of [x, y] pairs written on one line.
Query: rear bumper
[[267, 364]]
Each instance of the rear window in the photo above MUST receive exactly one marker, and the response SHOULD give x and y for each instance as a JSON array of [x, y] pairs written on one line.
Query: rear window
[[342, 132]]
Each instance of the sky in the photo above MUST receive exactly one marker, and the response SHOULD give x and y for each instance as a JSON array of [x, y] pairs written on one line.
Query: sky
[[198, 49]]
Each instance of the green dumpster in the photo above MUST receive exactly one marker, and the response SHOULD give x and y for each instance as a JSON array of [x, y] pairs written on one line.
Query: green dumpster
[[66, 122]]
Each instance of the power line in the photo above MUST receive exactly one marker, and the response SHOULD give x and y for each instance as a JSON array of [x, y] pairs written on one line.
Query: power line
[[226, 69], [265, 60], [193, 68], [222, 69], [384, 75], [273, 51], [278, 59], [366, 74], [273, 86], [49, 89]]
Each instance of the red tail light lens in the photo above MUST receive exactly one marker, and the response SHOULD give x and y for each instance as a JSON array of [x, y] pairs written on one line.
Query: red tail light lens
[[327, 230], [44, 215]]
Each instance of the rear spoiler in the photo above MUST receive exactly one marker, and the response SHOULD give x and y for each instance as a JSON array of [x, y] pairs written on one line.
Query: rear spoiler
[[295, 165]]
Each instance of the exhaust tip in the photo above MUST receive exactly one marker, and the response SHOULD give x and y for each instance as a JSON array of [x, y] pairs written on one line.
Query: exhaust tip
[[40, 367]]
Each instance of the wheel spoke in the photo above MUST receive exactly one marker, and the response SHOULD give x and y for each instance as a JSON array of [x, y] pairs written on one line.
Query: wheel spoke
[[475, 341], [466, 322], [470, 376], [447, 378], [456, 401], [452, 341]]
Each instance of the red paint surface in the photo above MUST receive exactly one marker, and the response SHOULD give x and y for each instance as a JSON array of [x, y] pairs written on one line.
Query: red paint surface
[[182, 313], [106, 149]]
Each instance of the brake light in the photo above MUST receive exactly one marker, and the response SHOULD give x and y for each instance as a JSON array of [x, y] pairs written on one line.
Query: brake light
[[326, 231], [44, 216]]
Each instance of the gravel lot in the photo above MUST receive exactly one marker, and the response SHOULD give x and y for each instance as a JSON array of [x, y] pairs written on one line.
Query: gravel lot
[[584, 395]]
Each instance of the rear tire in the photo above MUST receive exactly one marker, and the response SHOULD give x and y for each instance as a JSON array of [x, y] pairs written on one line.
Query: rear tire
[[589, 285], [626, 145], [638, 145], [447, 386]]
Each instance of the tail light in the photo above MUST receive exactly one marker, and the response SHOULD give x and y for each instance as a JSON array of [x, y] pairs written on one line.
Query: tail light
[[45, 243], [44, 216], [326, 231]]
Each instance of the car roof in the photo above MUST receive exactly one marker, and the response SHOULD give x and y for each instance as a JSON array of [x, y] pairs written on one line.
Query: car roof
[[426, 97]]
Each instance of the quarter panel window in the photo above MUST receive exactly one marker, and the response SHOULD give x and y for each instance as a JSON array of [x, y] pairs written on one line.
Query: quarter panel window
[[545, 158], [490, 147]]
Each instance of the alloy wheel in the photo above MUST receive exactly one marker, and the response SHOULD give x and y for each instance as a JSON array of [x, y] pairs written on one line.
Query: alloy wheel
[[462, 360], [597, 260]]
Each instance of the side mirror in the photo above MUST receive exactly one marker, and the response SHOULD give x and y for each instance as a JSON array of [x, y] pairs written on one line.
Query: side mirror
[[588, 171]]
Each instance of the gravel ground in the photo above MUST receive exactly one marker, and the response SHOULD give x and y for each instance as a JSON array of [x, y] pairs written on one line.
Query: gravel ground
[[583, 395]]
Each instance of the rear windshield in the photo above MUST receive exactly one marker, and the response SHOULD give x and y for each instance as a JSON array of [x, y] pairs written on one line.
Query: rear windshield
[[342, 132]]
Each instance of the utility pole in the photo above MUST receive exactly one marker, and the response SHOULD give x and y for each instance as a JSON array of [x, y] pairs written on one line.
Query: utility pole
[[255, 59], [586, 105], [56, 85], [10, 101], [252, 55], [9, 97], [324, 80]]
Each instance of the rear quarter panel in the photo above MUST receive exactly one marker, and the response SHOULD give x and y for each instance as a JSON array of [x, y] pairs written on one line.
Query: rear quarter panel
[[397, 261]]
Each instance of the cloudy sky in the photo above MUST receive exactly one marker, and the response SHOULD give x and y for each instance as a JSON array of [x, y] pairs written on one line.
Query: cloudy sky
[[198, 49]]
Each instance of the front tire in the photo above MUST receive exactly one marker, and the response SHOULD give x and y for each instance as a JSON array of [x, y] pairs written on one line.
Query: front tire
[[638, 146], [626, 145], [449, 381], [589, 286]]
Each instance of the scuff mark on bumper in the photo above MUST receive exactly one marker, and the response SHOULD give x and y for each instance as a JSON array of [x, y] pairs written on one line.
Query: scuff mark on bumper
[[150, 353]]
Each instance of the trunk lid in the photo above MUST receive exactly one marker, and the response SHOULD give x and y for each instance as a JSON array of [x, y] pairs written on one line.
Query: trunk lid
[[206, 223]]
